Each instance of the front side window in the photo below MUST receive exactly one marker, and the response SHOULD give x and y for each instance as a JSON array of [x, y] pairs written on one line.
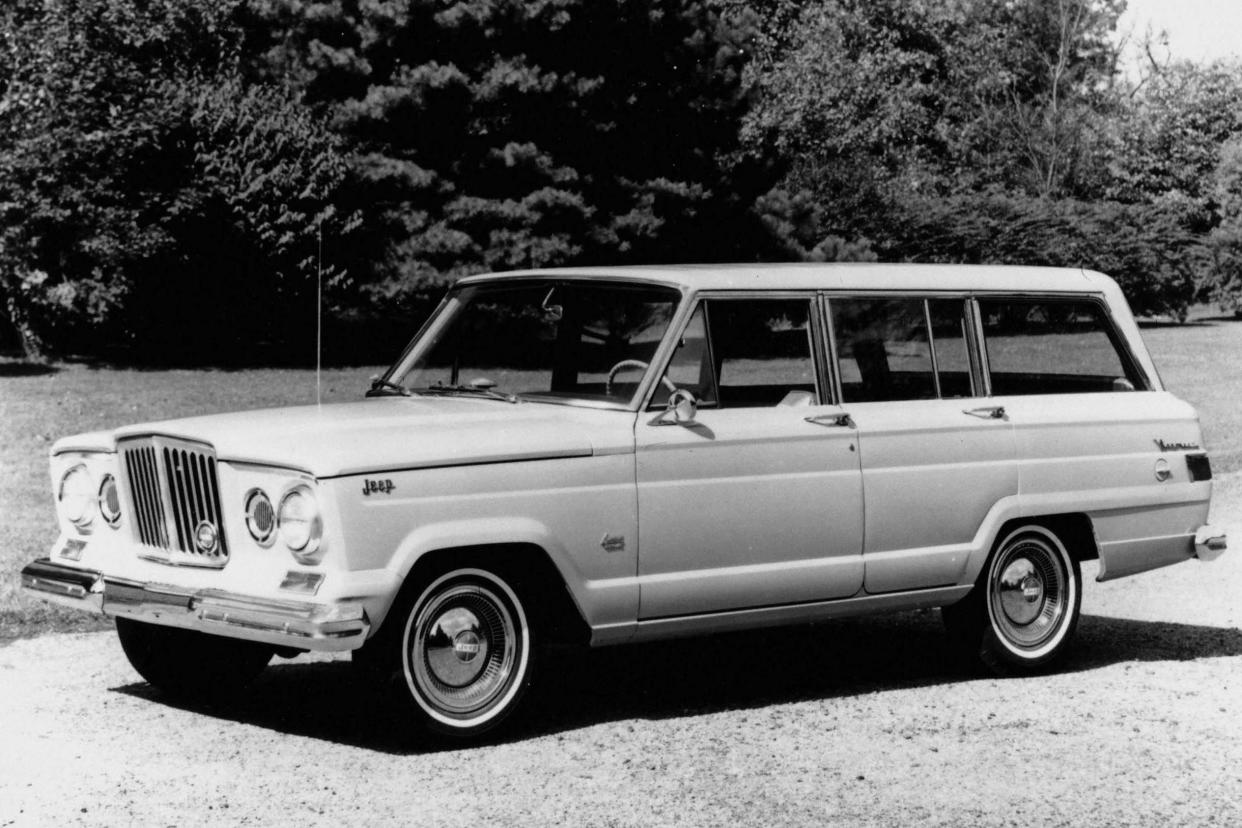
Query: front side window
[[1053, 347], [745, 353], [883, 349], [558, 340]]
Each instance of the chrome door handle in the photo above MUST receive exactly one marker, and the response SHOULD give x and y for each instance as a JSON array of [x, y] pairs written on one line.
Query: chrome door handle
[[995, 412], [844, 420]]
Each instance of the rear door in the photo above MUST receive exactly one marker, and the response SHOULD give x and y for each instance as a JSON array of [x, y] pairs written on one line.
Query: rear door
[[936, 456]]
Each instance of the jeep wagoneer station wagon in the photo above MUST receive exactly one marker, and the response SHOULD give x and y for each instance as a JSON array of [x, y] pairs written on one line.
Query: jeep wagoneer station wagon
[[610, 455]]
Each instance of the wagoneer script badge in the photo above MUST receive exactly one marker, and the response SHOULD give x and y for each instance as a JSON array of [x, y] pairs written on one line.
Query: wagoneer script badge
[[1177, 446], [376, 486]]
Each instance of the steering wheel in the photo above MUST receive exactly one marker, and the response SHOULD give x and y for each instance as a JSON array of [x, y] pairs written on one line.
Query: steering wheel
[[633, 363]]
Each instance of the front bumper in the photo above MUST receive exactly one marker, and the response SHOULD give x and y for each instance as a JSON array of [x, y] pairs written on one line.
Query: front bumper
[[299, 624]]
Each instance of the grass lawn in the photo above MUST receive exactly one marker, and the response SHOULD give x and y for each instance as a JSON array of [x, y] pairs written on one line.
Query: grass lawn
[[1201, 362]]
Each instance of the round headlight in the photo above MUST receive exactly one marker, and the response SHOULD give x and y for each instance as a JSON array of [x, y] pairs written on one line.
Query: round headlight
[[299, 523], [110, 501], [260, 517], [77, 497]]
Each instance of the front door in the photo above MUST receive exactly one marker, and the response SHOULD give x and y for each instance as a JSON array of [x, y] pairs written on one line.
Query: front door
[[758, 501]]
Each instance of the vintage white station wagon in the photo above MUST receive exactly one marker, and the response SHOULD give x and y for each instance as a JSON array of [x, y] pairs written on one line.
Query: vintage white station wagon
[[609, 455]]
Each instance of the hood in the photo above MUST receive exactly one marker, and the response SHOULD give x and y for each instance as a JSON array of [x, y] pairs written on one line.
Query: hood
[[383, 433]]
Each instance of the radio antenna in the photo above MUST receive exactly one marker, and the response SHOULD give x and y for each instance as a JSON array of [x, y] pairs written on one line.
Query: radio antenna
[[319, 319]]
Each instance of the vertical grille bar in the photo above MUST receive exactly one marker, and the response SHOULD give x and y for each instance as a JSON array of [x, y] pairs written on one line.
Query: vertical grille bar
[[183, 526], [148, 491], [140, 510], [193, 484], [213, 497], [196, 497], [161, 522], [185, 497], [200, 477]]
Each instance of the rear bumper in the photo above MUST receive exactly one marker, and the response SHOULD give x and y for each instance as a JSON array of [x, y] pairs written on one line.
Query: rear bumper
[[299, 624], [1210, 543]]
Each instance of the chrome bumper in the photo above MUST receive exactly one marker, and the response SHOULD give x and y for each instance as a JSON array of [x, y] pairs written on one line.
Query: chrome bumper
[[298, 624], [1210, 543]]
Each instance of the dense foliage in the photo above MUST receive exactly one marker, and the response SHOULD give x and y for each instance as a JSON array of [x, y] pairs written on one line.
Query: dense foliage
[[175, 175], [147, 193], [508, 134]]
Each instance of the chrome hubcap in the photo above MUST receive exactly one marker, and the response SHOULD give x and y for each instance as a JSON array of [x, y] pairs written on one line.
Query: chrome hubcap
[[463, 649], [1021, 591], [1029, 593]]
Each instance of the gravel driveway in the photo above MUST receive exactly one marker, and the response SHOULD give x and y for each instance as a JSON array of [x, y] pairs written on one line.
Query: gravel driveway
[[864, 721]]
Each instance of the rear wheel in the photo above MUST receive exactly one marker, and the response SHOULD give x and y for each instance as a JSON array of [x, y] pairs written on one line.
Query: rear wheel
[[1021, 615], [189, 663], [458, 652]]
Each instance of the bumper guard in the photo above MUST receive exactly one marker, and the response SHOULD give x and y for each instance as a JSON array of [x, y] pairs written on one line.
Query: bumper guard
[[1210, 543]]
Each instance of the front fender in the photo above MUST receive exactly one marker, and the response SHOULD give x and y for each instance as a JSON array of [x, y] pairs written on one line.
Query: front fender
[[611, 601]]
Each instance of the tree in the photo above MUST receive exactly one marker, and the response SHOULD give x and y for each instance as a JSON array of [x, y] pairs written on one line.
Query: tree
[[1147, 248], [147, 194], [872, 101], [1166, 144], [497, 134], [1225, 240]]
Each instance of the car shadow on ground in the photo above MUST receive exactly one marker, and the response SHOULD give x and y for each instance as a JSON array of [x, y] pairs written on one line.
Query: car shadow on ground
[[693, 676]]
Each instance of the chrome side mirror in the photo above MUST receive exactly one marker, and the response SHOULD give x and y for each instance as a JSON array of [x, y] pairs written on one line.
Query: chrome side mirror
[[682, 406]]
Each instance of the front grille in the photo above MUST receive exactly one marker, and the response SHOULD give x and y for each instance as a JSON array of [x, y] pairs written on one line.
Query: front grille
[[175, 500]]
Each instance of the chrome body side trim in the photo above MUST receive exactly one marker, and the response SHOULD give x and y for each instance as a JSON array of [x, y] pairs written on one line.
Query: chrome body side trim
[[299, 624]]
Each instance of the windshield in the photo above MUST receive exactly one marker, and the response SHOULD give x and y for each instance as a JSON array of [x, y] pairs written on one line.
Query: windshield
[[557, 340]]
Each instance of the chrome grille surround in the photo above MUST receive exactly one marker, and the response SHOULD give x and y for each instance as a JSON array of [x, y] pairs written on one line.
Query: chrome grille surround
[[173, 491]]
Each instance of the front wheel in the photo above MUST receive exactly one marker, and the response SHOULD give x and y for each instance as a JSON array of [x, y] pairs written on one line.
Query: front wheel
[[1022, 613], [460, 654]]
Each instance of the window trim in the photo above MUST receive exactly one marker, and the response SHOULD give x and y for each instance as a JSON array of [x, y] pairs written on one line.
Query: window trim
[[931, 346], [968, 311]]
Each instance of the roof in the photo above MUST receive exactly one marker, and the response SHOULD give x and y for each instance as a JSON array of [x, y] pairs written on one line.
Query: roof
[[835, 276]]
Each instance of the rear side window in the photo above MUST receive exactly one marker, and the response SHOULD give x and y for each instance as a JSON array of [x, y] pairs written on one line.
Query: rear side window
[[901, 349], [1053, 347]]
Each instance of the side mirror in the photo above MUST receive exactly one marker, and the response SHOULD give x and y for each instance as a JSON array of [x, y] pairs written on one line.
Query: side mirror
[[682, 406]]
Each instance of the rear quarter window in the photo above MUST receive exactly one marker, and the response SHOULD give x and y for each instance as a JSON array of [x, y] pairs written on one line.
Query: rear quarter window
[[1054, 347]]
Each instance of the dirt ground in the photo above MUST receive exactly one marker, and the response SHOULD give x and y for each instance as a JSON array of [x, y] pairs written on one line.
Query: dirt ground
[[864, 721]]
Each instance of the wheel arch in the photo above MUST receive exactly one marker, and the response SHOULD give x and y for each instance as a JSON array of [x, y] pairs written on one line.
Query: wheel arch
[[1074, 529], [528, 565]]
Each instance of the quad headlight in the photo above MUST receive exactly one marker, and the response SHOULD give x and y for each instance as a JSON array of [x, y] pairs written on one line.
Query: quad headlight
[[77, 498], [300, 524], [260, 517], [110, 501]]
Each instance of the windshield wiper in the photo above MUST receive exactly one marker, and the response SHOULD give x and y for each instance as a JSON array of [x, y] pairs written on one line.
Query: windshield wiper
[[378, 386], [472, 390]]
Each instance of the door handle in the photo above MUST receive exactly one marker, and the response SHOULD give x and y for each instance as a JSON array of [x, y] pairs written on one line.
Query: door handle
[[994, 412], [843, 420]]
